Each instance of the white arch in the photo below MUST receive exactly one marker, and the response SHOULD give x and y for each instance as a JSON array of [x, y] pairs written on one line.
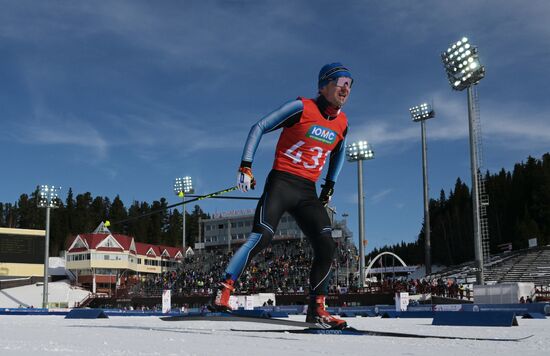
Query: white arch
[[380, 255]]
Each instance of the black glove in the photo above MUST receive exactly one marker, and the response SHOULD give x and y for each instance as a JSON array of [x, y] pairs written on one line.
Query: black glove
[[326, 192]]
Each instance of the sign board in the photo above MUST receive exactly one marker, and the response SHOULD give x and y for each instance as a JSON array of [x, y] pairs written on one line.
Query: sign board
[[166, 301], [267, 298], [233, 213], [396, 269], [22, 246], [502, 293], [447, 307], [249, 302], [401, 301], [533, 242], [234, 302]]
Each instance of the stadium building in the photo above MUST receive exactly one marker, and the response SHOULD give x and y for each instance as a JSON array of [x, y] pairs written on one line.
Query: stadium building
[[231, 229]]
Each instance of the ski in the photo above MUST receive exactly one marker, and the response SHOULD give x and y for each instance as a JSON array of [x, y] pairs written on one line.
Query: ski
[[235, 317], [312, 328], [353, 331]]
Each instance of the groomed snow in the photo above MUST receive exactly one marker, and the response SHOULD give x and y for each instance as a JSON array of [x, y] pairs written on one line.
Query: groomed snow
[[54, 335]]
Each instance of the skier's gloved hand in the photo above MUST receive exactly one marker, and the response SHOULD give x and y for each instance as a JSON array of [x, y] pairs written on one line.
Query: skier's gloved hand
[[245, 179], [326, 192]]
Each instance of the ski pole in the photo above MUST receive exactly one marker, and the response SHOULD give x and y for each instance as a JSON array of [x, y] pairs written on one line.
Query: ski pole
[[206, 196]]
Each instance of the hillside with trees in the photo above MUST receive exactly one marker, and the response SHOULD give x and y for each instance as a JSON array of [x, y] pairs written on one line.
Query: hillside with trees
[[519, 210], [83, 213]]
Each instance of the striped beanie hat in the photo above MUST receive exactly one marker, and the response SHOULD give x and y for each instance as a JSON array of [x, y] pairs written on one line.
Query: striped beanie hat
[[332, 71]]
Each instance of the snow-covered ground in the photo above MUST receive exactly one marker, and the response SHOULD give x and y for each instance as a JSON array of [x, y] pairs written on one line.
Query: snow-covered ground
[[31, 295], [54, 335]]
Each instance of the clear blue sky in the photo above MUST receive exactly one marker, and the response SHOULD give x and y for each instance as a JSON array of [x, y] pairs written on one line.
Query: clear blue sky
[[121, 97]]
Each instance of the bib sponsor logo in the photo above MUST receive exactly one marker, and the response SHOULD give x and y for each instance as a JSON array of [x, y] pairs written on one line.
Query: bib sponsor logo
[[322, 134]]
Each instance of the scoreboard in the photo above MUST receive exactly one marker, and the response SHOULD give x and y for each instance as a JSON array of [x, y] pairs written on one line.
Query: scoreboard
[[21, 246]]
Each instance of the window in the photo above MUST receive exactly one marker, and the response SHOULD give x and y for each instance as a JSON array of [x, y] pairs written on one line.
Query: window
[[233, 224], [111, 257], [79, 257], [110, 243], [220, 226], [106, 271], [84, 272]]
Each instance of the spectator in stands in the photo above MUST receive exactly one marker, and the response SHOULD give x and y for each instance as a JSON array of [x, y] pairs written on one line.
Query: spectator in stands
[[522, 300], [529, 300]]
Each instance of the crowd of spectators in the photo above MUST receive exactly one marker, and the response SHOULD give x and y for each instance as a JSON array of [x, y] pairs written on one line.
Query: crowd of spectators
[[439, 287], [283, 268]]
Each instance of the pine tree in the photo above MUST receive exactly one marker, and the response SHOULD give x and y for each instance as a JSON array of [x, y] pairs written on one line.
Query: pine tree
[[117, 212]]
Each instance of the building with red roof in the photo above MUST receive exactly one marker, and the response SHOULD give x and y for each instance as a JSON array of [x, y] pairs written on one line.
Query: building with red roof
[[103, 260]]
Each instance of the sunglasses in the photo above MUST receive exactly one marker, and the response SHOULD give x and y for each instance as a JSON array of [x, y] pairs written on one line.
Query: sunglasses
[[344, 82]]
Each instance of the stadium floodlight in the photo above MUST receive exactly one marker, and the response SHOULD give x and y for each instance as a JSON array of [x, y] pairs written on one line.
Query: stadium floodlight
[[462, 65], [48, 199], [48, 196], [358, 152], [183, 186], [421, 113], [464, 71]]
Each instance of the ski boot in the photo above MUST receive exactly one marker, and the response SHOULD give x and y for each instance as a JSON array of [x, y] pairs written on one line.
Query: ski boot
[[316, 313], [221, 298]]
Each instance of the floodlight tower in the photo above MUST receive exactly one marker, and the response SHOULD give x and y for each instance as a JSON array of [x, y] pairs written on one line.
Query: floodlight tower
[[422, 113], [49, 199], [464, 71], [183, 186], [358, 152]]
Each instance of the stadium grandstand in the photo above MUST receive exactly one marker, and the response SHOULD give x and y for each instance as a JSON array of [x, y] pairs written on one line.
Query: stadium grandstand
[[525, 265]]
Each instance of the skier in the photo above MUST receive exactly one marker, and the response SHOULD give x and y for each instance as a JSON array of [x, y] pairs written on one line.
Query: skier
[[312, 130]]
